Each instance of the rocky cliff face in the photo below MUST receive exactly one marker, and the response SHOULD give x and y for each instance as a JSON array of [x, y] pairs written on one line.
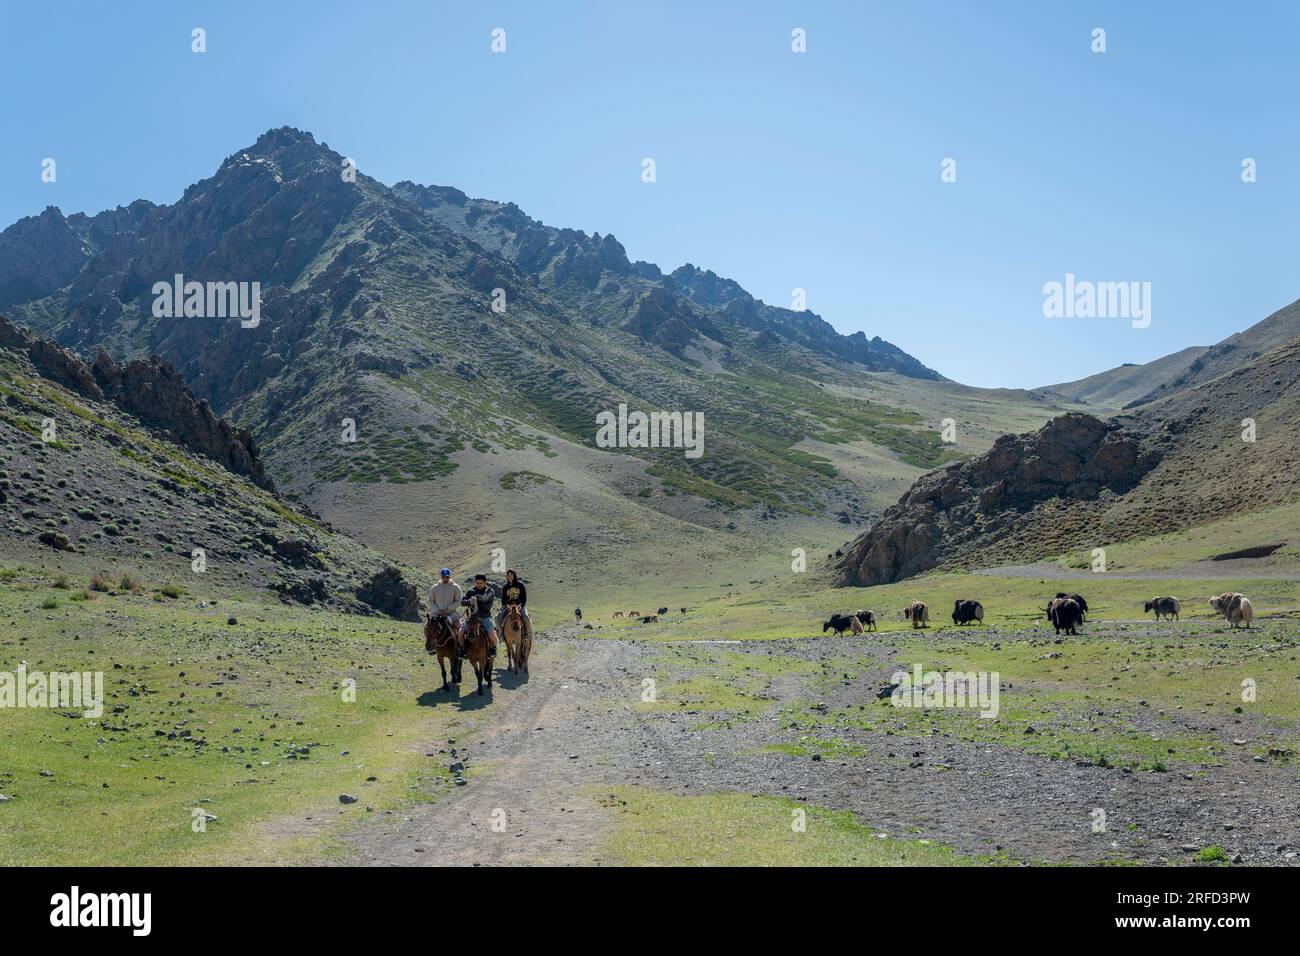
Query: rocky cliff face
[[152, 391], [970, 512], [41, 254]]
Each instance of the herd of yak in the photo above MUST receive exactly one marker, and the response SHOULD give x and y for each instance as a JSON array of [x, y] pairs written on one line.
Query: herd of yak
[[1065, 612]]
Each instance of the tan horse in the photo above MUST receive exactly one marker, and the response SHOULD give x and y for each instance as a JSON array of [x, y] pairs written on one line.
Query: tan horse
[[476, 647], [519, 639], [439, 638]]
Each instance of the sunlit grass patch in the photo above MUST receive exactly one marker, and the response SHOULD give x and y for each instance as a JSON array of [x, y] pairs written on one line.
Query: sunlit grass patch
[[733, 829]]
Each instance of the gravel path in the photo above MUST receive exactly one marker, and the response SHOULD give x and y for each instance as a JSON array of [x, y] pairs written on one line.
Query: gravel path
[[534, 774]]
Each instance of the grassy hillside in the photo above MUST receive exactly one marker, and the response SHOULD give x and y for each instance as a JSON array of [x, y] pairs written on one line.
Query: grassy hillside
[[104, 494], [246, 722]]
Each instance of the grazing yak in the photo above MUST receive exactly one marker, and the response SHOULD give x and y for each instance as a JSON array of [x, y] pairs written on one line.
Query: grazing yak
[[1065, 614], [867, 619], [964, 612], [918, 612], [662, 610], [1077, 599], [1164, 607], [839, 623], [1234, 606]]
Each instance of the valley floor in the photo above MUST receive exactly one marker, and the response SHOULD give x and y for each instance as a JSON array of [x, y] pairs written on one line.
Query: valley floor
[[734, 734], [574, 767]]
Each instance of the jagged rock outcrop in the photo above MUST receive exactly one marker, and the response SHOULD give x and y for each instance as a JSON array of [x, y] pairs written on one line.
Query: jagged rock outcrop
[[669, 322], [152, 391], [965, 509], [55, 363], [390, 593]]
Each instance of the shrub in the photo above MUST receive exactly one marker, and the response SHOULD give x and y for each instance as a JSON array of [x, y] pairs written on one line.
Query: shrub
[[129, 583], [1213, 854], [49, 604], [61, 582], [55, 539], [100, 582], [171, 590]]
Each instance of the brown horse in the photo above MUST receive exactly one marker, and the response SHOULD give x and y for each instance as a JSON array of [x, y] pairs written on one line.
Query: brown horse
[[476, 645], [519, 639], [439, 638]]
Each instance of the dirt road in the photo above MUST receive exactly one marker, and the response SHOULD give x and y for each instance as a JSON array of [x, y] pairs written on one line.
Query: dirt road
[[535, 771]]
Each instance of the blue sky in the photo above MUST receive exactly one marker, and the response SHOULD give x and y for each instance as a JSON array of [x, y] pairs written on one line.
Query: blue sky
[[818, 170]]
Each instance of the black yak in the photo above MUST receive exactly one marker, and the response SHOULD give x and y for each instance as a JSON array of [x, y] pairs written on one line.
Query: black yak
[[1077, 599], [839, 623], [1164, 607], [1065, 614], [964, 612]]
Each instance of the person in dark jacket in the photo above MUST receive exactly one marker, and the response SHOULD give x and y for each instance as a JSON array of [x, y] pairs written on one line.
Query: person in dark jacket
[[514, 592], [479, 600]]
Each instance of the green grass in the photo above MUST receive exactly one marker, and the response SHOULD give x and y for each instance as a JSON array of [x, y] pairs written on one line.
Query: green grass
[[523, 480], [122, 793], [731, 829], [1268, 526], [1213, 854]]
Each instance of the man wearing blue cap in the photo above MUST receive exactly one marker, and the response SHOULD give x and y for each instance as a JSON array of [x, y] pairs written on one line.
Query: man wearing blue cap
[[444, 600]]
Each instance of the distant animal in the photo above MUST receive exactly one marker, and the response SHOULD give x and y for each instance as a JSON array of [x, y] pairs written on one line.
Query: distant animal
[[839, 623], [633, 613], [964, 612], [868, 619], [650, 619], [855, 626], [918, 612], [1164, 607], [1234, 606], [1065, 614], [1078, 599], [683, 610], [662, 610], [618, 614], [577, 615]]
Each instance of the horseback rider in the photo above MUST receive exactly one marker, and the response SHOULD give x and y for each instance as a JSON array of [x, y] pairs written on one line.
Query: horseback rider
[[444, 600], [513, 593], [479, 600]]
